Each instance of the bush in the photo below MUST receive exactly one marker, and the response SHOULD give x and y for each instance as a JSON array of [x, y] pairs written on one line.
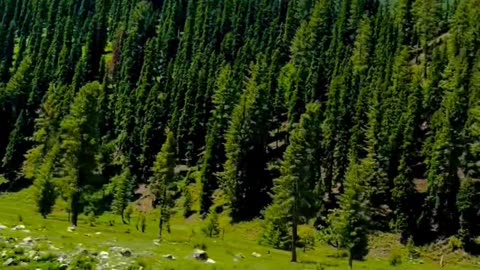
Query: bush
[[307, 237], [140, 264], [128, 213], [200, 245], [413, 253], [454, 244], [212, 227], [395, 258], [83, 262]]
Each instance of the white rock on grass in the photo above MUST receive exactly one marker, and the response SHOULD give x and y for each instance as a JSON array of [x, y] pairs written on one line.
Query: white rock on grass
[[169, 257], [103, 255], [71, 229], [257, 255], [18, 228], [28, 240], [8, 262], [3, 227], [210, 261], [200, 255]]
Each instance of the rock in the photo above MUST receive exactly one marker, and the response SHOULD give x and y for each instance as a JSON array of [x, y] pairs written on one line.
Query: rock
[[3, 227], [257, 255], [169, 257], [71, 229], [36, 258], [87, 235], [238, 257], [3, 254], [63, 267], [200, 255], [8, 262], [18, 228], [83, 252], [28, 240], [26, 231], [103, 255], [116, 249], [126, 252], [210, 261], [98, 233], [62, 259], [156, 242]]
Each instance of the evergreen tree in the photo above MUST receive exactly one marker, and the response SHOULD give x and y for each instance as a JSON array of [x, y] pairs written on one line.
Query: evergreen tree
[[122, 192], [246, 180], [350, 221], [80, 142], [162, 181], [294, 191]]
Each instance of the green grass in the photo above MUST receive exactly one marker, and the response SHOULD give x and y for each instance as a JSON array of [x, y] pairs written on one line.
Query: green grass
[[238, 239]]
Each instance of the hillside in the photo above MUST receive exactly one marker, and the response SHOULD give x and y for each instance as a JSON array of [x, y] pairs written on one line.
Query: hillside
[[347, 118]]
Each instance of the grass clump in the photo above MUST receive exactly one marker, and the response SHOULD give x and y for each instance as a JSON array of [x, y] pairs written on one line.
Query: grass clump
[[395, 258]]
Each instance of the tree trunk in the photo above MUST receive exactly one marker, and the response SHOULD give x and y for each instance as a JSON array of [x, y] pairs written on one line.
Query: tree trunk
[[350, 260], [75, 209], [123, 216], [160, 225], [294, 232]]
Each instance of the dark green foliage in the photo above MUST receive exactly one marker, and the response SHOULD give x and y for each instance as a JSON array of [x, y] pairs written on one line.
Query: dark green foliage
[[162, 181], [122, 192], [350, 222]]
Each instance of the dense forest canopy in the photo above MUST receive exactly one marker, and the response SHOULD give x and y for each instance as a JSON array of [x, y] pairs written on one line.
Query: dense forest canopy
[[298, 107]]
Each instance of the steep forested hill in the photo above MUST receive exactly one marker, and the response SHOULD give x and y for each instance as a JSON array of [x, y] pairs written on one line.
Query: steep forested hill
[[242, 104]]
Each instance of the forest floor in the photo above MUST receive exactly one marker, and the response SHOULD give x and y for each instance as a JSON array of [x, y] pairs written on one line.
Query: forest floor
[[47, 244]]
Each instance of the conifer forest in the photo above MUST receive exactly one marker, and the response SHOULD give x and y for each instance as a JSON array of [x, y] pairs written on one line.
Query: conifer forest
[[356, 116]]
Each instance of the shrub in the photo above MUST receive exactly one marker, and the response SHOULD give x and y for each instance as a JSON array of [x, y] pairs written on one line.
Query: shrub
[[413, 253], [128, 213], [200, 245], [395, 258], [83, 262], [212, 227], [454, 244]]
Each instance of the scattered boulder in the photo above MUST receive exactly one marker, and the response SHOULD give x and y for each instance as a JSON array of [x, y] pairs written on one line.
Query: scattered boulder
[[169, 257], [156, 242], [3, 227], [83, 252], [210, 261], [98, 233], [71, 229], [18, 228], [116, 249], [62, 259], [238, 257], [126, 252], [9, 261], [103, 255], [200, 255], [28, 240], [256, 255]]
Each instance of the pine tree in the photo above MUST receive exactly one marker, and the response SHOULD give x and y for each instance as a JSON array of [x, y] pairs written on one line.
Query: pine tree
[[163, 179], [212, 227], [294, 191], [122, 192], [350, 222], [80, 142], [245, 177]]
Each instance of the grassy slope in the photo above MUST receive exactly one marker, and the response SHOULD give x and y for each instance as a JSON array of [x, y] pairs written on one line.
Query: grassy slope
[[238, 239]]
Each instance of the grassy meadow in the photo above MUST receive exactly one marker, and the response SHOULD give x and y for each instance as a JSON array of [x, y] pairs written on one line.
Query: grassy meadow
[[239, 240]]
